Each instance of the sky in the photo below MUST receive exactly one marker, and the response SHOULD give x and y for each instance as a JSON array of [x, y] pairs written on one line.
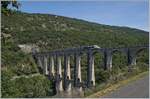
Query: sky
[[130, 13]]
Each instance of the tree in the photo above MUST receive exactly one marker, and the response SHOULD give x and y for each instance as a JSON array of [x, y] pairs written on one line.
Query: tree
[[14, 3], [5, 4]]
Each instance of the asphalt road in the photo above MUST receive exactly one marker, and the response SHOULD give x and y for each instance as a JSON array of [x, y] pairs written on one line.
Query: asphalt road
[[136, 89]]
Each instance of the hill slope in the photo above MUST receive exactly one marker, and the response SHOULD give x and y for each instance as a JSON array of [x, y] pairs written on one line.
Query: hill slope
[[50, 32], [61, 32]]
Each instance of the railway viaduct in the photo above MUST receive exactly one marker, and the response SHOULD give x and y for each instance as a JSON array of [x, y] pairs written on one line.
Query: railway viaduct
[[51, 65]]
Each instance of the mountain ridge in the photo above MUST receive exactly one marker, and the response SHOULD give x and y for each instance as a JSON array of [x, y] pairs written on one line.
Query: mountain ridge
[[121, 26], [55, 23]]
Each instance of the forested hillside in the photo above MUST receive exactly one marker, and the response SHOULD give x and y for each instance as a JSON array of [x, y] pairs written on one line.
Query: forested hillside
[[50, 32]]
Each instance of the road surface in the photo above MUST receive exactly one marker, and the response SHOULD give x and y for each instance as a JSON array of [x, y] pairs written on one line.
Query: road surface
[[136, 89]]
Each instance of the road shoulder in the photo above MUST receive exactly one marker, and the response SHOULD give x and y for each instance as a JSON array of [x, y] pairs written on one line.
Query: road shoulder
[[113, 87]]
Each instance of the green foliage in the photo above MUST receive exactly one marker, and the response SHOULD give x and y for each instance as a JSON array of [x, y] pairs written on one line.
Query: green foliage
[[142, 67], [26, 67], [4, 5], [55, 32], [51, 32], [37, 86], [101, 76], [7, 85]]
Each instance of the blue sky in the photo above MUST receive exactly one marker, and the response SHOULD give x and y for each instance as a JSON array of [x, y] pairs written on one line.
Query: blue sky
[[131, 13]]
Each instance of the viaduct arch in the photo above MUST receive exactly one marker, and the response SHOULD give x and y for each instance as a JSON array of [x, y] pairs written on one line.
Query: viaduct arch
[[51, 64]]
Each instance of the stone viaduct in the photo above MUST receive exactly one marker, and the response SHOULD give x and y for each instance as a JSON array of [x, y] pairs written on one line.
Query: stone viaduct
[[51, 64]]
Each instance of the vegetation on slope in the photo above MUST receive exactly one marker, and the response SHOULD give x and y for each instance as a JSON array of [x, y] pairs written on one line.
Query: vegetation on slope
[[50, 32]]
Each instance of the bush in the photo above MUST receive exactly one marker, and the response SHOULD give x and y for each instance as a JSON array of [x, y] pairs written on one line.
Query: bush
[[26, 66], [7, 88], [102, 76], [37, 86], [142, 67]]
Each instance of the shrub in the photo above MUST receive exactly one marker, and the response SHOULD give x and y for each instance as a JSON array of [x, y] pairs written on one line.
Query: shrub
[[26, 66], [102, 76], [37, 86]]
